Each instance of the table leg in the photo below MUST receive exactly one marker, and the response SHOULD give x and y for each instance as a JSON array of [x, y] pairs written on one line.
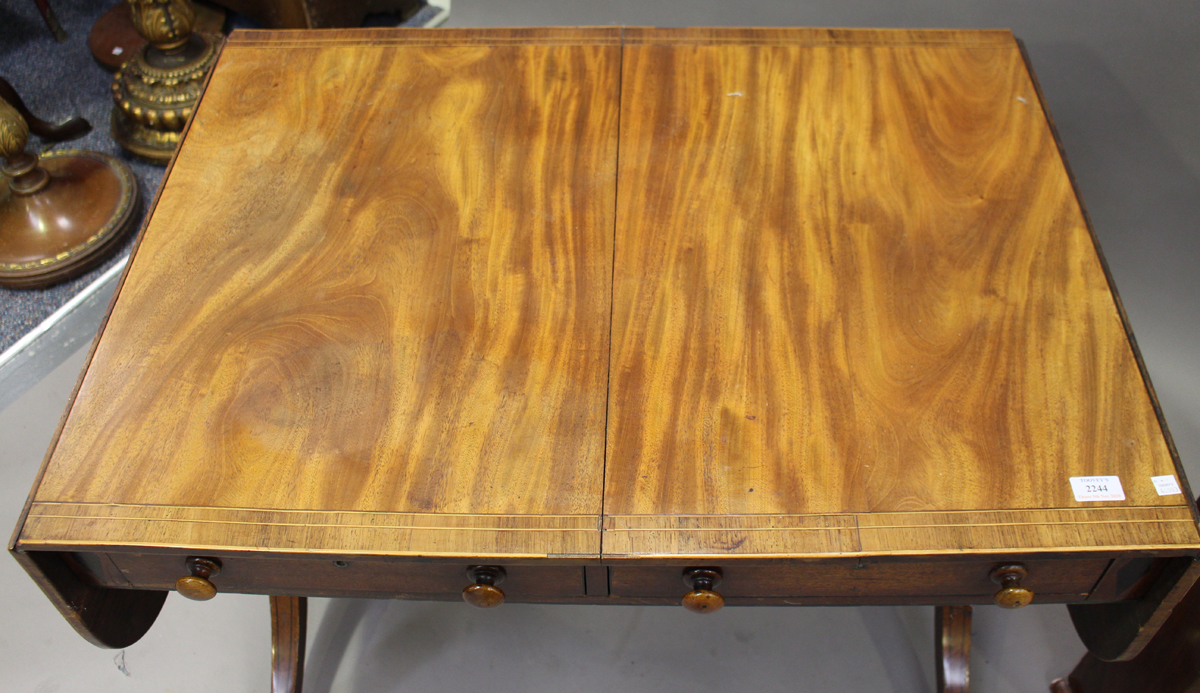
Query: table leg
[[1169, 663], [289, 624], [952, 629]]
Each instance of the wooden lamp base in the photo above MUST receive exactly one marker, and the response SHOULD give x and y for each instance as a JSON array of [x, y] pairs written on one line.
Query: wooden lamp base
[[87, 203]]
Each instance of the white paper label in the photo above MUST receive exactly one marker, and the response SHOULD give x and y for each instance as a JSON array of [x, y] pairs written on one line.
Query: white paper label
[[1097, 488], [1166, 485]]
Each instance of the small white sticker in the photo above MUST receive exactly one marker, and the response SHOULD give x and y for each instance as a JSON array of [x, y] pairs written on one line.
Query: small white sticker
[[1097, 488], [1166, 485], [117, 50]]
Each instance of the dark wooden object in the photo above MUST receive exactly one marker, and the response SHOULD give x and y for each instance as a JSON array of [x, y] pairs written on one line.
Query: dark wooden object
[[315, 14], [967, 581], [1118, 631], [104, 616], [61, 213], [952, 638], [289, 625], [1169, 663]]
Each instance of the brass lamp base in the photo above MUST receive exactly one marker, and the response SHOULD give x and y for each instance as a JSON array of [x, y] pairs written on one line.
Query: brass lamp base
[[155, 93], [147, 144], [89, 202]]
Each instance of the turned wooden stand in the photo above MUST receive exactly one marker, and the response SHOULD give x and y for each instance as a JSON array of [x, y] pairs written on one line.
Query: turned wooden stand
[[697, 317]]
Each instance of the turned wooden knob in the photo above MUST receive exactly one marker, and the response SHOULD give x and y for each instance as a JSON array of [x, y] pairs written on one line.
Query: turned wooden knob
[[484, 593], [1011, 594], [196, 584], [703, 598]]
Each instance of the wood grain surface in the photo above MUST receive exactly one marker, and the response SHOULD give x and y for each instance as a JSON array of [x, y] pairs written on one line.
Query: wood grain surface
[[394, 301], [740, 294], [852, 278], [976, 532]]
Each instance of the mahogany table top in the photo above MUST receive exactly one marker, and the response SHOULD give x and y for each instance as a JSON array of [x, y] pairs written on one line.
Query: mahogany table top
[[614, 293]]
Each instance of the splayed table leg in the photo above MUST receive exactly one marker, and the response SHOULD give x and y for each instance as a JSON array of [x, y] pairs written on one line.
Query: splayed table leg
[[289, 623], [953, 632]]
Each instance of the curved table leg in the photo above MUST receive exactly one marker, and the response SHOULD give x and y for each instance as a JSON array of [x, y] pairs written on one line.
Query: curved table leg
[[1169, 663], [289, 624], [952, 628], [1117, 631]]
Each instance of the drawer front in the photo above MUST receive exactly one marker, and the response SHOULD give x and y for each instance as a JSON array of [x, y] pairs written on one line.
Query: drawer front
[[967, 579], [319, 577], [888, 582]]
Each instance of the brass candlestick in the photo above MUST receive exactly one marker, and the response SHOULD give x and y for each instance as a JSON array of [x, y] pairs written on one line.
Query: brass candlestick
[[61, 213], [157, 88]]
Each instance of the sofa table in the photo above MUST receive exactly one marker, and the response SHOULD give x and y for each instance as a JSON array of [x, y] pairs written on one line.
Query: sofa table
[[617, 316]]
